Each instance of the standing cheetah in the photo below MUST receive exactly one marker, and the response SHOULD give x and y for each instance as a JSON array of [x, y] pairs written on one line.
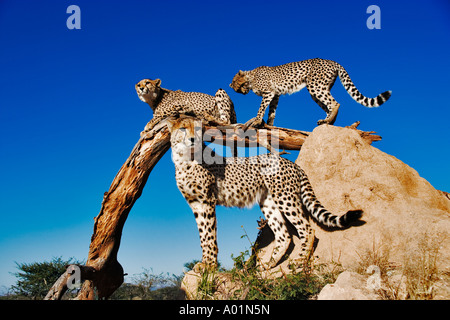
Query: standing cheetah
[[317, 75], [279, 186], [165, 103]]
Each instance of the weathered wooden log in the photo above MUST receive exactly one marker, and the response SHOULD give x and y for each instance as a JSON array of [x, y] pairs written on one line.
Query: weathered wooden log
[[281, 138], [58, 289]]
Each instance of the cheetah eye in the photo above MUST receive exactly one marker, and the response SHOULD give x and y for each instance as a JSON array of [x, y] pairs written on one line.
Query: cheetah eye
[[147, 82]]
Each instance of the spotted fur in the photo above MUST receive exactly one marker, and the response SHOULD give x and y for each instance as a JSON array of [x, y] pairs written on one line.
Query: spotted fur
[[317, 75], [279, 186], [165, 103]]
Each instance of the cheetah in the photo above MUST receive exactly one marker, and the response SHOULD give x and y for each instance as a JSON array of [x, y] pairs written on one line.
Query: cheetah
[[317, 75], [165, 103], [279, 186]]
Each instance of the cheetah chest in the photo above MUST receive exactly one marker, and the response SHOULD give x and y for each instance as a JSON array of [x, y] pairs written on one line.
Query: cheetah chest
[[194, 183]]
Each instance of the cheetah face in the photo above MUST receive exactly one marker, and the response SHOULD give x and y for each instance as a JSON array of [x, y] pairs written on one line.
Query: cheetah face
[[148, 90], [240, 84], [185, 137]]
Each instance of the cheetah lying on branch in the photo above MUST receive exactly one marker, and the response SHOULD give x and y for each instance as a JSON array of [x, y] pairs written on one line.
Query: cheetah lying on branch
[[165, 103], [279, 186]]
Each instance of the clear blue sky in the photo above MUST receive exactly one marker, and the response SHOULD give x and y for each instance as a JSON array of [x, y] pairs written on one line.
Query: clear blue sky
[[69, 114]]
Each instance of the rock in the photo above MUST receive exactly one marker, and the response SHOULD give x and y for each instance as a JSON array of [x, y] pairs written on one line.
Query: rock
[[190, 285], [400, 207], [405, 219], [213, 286], [348, 286]]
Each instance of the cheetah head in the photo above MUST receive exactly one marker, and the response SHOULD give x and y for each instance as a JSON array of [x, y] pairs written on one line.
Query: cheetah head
[[148, 90], [185, 137], [240, 83]]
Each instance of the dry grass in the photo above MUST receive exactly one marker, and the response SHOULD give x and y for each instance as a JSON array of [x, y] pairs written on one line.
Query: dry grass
[[378, 255], [416, 274], [420, 265]]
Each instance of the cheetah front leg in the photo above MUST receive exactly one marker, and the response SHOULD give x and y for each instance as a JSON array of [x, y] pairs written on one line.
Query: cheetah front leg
[[176, 110], [205, 216], [272, 109], [267, 98], [152, 123]]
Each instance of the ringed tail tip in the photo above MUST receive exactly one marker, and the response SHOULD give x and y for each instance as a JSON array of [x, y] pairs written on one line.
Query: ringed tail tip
[[380, 99], [349, 217], [387, 94]]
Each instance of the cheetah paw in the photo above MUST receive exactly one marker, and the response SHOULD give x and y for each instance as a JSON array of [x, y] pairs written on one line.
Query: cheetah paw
[[201, 267], [253, 122]]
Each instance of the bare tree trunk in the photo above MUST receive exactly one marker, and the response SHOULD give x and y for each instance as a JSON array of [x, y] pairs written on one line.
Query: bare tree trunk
[[103, 274], [106, 272]]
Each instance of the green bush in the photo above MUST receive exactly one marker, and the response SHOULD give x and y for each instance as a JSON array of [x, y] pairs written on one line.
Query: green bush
[[300, 284]]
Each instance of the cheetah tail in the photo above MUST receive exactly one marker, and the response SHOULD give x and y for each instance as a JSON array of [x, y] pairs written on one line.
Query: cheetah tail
[[319, 213], [358, 96], [224, 107]]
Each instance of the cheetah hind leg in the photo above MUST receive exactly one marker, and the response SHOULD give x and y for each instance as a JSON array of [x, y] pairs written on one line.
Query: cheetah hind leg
[[295, 214], [298, 219], [278, 226], [326, 101], [331, 115]]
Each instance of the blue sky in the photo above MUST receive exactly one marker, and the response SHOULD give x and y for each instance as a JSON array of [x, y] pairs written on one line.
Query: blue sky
[[69, 114]]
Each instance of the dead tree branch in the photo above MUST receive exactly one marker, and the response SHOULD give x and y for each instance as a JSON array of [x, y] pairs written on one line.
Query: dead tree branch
[[287, 139], [106, 272]]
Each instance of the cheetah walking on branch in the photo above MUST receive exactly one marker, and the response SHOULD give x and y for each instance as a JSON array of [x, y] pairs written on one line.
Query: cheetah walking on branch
[[317, 75]]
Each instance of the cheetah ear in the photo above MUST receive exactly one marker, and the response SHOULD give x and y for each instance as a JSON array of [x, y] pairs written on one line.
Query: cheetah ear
[[241, 73], [158, 82]]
